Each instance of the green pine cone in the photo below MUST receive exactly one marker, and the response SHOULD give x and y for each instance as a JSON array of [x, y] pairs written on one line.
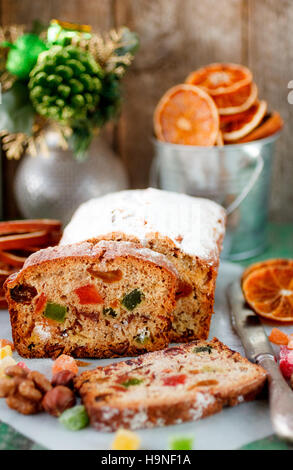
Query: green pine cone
[[65, 85]]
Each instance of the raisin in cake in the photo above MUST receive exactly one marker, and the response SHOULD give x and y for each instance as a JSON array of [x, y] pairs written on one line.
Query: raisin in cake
[[100, 300], [188, 230], [182, 383]]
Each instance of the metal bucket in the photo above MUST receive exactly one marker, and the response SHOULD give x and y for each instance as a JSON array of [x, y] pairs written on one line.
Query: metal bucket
[[236, 176]]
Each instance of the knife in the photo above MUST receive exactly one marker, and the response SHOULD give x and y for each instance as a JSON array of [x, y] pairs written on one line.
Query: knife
[[259, 350]]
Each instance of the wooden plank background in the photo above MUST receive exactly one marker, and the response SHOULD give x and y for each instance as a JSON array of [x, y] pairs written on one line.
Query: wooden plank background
[[176, 37]]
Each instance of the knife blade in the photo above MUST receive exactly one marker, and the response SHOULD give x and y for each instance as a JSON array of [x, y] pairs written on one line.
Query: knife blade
[[258, 349]]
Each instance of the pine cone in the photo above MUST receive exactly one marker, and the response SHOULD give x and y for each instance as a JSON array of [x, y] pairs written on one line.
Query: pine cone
[[65, 85]]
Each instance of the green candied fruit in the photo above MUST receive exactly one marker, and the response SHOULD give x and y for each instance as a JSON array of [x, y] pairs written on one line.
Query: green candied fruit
[[181, 442], [55, 312], [75, 418], [199, 349], [109, 311], [131, 300], [132, 381], [142, 338]]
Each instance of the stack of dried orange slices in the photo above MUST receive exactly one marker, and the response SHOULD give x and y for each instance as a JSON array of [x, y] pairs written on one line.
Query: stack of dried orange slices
[[218, 104]]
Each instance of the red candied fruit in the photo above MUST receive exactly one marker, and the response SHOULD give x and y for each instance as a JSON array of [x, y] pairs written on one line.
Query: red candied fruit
[[286, 361], [88, 295], [41, 303], [23, 365], [64, 362], [173, 380]]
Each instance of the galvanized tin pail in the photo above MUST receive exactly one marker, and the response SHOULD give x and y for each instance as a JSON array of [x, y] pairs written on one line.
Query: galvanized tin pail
[[236, 176]]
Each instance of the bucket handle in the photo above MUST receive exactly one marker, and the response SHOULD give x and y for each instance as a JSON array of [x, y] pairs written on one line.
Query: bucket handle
[[239, 199], [256, 174]]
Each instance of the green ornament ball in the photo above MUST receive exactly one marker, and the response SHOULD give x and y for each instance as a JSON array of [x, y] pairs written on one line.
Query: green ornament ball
[[65, 84], [23, 55]]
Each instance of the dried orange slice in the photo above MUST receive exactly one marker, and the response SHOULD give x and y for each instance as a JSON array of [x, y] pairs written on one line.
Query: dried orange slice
[[235, 127], [282, 262], [269, 291], [271, 124], [220, 140], [236, 101], [186, 115], [218, 78], [230, 85]]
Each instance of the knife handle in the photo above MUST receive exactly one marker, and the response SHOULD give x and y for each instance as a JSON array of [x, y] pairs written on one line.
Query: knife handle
[[280, 396]]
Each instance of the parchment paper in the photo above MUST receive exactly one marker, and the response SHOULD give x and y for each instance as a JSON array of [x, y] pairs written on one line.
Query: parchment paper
[[230, 429]]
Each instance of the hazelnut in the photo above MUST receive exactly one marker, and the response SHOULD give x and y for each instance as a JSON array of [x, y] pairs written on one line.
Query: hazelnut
[[7, 387], [16, 371], [41, 382], [28, 390], [63, 377], [22, 405], [58, 399]]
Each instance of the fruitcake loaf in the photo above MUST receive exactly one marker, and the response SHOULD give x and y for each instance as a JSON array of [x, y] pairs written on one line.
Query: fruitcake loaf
[[181, 383], [188, 230], [104, 299]]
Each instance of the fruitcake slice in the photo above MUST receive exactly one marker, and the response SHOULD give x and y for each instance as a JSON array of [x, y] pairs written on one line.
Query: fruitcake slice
[[181, 383], [103, 299]]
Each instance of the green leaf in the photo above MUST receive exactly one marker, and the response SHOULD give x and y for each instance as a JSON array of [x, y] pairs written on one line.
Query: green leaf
[[16, 110]]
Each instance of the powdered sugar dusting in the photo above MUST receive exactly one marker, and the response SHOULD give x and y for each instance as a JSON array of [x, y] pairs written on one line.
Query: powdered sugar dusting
[[193, 224]]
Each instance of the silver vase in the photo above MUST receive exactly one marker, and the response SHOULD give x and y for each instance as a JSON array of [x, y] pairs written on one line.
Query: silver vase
[[54, 184]]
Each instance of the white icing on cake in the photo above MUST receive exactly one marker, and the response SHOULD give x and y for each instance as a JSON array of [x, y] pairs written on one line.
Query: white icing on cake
[[193, 224]]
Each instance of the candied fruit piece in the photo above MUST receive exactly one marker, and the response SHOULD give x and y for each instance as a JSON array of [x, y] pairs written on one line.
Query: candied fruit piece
[[6, 342], [181, 442], [278, 337], [41, 303], [23, 365], [6, 351], [23, 293], [109, 311], [131, 300], [286, 362], [125, 440], [55, 312], [7, 361], [200, 349], [107, 276], [88, 295], [64, 362], [74, 418], [174, 380], [131, 381]]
